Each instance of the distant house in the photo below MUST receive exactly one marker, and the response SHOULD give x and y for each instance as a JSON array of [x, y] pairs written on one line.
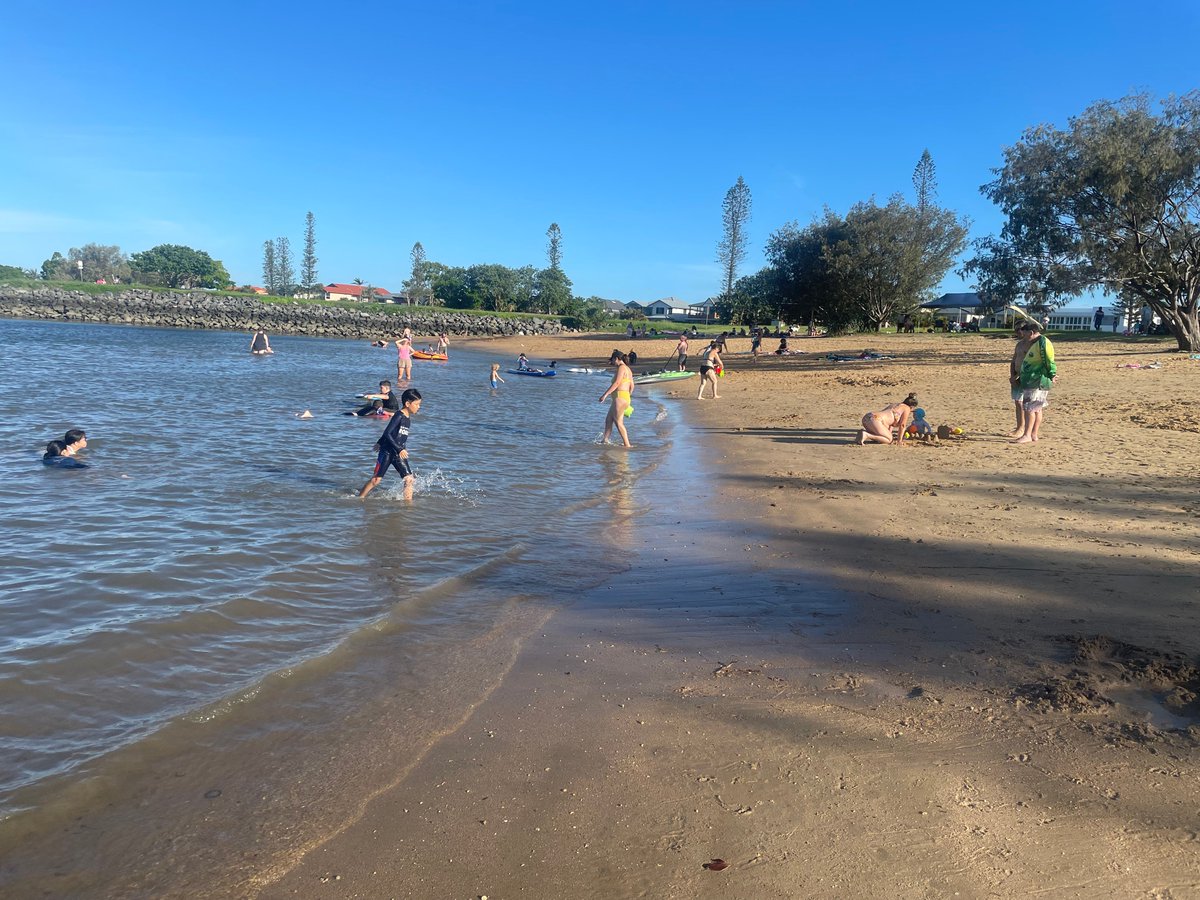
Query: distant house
[[662, 309], [356, 292], [613, 307], [251, 289], [634, 306]]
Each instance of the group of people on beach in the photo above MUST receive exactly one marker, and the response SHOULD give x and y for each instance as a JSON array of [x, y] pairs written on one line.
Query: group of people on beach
[[1032, 373]]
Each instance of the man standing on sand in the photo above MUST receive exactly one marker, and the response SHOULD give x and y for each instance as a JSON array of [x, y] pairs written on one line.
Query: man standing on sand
[[681, 349], [1038, 374], [393, 445], [1098, 318], [1014, 377]]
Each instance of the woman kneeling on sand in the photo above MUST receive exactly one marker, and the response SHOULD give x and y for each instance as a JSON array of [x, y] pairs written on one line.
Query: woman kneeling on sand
[[877, 426]]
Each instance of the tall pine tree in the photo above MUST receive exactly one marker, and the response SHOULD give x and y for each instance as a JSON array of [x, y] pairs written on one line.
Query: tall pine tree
[[270, 273], [925, 182], [308, 263], [285, 272], [731, 250]]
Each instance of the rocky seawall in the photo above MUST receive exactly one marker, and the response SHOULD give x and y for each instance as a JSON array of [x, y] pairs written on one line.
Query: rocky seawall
[[202, 310]]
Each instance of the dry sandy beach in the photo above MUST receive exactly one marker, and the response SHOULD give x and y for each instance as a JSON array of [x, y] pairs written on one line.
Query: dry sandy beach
[[965, 669]]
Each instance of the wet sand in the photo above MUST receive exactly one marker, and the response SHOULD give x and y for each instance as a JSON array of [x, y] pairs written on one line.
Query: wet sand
[[874, 671]]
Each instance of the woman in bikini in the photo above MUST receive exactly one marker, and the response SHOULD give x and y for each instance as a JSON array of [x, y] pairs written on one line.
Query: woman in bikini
[[621, 391], [710, 363], [877, 426]]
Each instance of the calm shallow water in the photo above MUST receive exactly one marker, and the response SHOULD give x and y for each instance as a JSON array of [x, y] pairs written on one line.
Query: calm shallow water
[[216, 544]]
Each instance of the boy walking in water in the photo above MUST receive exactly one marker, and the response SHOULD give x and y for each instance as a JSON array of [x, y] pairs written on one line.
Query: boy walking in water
[[393, 445]]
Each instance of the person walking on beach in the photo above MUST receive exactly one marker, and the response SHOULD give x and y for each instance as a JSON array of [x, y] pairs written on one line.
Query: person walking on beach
[[1098, 318], [495, 378], [755, 342], [621, 391], [1038, 373], [681, 349], [404, 359], [259, 344], [393, 445], [1014, 377], [877, 426], [710, 368]]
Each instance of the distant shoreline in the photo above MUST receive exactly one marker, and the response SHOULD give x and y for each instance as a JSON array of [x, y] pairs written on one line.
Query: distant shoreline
[[202, 310]]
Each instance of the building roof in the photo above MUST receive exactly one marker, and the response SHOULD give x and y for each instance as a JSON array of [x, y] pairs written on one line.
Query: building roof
[[968, 300], [355, 290]]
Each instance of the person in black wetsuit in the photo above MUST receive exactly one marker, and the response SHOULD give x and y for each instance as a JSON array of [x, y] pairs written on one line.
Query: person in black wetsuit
[[393, 445], [390, 403]]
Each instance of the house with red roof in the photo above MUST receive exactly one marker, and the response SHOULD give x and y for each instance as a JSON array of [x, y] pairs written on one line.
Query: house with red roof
[[356, 292]]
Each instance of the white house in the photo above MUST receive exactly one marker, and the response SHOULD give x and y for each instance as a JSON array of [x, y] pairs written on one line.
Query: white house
[[666, 308]]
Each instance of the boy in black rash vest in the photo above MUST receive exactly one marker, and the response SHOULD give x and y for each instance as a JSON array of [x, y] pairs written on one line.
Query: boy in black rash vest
[[393, 445]]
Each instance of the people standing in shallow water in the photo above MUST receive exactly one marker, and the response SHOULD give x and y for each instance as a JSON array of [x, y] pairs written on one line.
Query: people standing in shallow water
[[404, 359], [877, 426], [621, 391], [259, 344], [495, 377]]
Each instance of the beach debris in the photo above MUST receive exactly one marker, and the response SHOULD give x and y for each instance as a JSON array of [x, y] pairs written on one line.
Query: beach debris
[[716, 865], [212, 795], [307, 414]]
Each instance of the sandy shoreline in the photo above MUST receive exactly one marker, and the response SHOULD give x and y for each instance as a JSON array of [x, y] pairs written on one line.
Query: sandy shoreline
[[964, 668]]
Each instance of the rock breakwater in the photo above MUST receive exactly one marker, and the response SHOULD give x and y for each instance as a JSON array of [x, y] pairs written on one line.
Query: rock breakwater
[[219, 312]]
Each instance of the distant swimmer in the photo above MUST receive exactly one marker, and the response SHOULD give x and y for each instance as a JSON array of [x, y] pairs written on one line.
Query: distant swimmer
[[496, 379], [61, 454], [259, 344], [393, 445]]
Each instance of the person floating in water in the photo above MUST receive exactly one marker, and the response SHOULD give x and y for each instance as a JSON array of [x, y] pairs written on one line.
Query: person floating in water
[[495, 378], [61, 454], [259, 344], [393, 445], [374, 409]]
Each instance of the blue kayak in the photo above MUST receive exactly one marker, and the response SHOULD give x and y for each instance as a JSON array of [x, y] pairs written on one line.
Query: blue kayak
[[536, 373]]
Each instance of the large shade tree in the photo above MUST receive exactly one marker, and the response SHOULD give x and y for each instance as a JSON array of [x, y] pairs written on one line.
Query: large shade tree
[[178, 266], [1112, 201]]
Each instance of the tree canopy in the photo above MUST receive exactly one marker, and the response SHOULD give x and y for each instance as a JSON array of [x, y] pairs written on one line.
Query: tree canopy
[[1112, 201], [178, 266]]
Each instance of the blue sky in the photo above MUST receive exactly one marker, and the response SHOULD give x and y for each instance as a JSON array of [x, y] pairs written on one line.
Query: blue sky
[[472, 126]]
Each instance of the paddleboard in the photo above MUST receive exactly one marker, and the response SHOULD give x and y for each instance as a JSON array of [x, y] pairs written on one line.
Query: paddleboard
[[536, 373], [661, 377]]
